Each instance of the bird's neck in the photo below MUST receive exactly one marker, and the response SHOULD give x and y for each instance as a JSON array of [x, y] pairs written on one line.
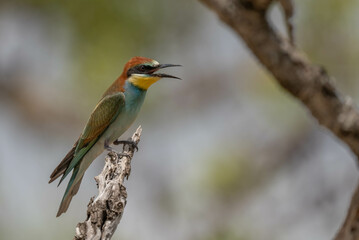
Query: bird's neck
[[133, 94]]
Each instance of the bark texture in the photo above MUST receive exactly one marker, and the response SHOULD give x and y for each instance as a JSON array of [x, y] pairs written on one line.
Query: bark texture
[[105, 211], [307, 82]]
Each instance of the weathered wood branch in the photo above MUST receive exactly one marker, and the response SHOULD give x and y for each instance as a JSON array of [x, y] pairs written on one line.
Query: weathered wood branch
[[307, 82], [105, 211]]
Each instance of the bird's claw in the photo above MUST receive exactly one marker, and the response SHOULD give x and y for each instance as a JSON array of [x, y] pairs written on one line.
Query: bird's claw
[[127, 142]]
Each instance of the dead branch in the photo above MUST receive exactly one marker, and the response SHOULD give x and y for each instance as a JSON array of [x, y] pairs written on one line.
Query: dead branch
[[295, 73], [105, 211]]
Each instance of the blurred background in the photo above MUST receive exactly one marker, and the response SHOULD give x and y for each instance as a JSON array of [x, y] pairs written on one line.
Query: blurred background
[[225, 153]]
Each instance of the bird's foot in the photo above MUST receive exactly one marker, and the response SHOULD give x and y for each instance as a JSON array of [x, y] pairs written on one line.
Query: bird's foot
[[112, 152], [127, 142]]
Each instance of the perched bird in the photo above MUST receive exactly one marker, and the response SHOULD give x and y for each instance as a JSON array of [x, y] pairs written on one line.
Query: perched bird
[[112, 116]]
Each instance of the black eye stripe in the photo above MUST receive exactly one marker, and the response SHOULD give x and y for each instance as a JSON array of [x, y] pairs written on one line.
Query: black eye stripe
[[144, 67], [140, 69]]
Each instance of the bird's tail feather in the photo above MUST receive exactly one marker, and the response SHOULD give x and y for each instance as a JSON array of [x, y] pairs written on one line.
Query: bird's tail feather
[[71, 190], [61, 168]]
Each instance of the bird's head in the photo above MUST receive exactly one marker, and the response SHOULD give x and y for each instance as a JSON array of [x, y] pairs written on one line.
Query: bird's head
[[141, 71]]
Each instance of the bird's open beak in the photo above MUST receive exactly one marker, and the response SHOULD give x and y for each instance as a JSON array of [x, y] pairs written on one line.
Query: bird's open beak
[[163, 75]]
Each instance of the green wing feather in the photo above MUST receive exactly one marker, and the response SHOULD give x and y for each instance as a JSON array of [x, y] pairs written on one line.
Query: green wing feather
[[102, 116], [104, 113]]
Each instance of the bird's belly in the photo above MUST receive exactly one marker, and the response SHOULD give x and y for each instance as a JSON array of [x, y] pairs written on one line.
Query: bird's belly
[[119, 126], [91, 155]]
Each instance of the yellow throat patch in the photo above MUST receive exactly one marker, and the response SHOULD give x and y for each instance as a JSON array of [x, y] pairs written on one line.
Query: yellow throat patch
[[142, 81]]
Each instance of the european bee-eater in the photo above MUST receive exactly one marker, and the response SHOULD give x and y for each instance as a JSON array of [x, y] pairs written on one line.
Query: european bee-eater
[[112, 116]]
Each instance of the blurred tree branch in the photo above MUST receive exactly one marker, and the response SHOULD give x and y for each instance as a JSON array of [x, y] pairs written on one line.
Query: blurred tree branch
[[350, 228], [105, 211], [295, 73]]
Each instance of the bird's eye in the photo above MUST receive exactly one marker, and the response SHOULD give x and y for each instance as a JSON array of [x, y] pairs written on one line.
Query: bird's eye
[[142, 68]]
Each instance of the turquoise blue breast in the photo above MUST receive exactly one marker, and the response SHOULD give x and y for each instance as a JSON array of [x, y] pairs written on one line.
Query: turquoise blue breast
[[134, 97]]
